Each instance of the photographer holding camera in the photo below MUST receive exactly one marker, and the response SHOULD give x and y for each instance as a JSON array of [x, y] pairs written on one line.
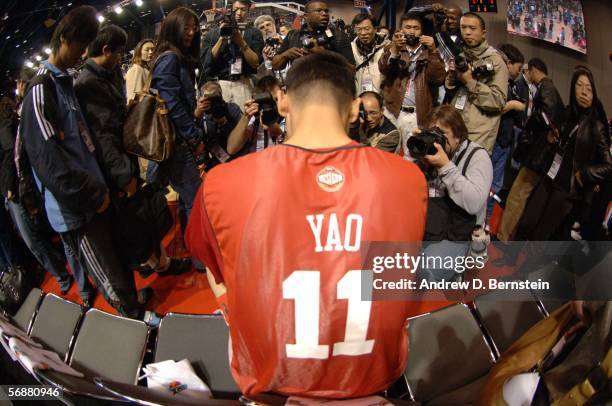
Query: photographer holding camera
[[272, 43], [459, 174], [231, 54], [413, 58], [219, 119], [259, 127], [368, 48], [315, 36], [375, 129], [479, 80]]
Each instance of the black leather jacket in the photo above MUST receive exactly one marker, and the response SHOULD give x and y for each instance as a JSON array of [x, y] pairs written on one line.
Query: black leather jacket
[[591, 153], [540, 153]]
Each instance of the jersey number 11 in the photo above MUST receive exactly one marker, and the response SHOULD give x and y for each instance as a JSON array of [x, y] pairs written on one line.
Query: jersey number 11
[[304, 288]]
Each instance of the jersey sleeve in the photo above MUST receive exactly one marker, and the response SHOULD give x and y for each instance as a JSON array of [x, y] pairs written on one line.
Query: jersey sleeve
[[201, 240]]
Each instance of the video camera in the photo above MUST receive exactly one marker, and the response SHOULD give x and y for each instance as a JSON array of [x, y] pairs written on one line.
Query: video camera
[[228, 24], [267, 108], [322, 37]]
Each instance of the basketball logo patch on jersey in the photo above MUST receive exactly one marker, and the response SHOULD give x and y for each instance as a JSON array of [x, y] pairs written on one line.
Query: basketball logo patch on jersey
[[330, 179]]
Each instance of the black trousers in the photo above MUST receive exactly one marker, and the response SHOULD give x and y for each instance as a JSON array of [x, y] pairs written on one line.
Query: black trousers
[[96, 253]]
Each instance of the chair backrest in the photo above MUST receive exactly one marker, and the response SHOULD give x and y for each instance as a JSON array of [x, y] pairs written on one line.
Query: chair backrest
[[111, 347], [203, 340], [26, 313], [447, 351], [55, 324], [504, 320]]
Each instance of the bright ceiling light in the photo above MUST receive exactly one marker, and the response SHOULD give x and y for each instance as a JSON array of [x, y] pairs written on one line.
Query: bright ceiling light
[[29, 64], [48, 51], [38, 58], [139, 3], [118, 9], [101, 18]]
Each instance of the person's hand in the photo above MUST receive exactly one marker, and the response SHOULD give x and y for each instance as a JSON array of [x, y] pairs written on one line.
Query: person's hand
[[514, 105], [428, 42], [202, 106], [579, 179], [293, 53], [131, 187], [104, 205], [268, 52], [582, 313], [237, 38], [464, 77], [438, 160], [251, 108], [553, 136], [398, 43], [437, 7]]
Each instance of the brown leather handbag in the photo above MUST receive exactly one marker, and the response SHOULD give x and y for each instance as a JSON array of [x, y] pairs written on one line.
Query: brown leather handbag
[[148, 131]]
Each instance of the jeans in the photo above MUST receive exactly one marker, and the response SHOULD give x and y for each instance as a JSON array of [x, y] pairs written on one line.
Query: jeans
[[499, 158], [442, 249], [35, 234], [182, 173]]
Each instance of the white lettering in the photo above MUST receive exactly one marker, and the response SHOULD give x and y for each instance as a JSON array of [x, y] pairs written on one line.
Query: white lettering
[[316, 228]]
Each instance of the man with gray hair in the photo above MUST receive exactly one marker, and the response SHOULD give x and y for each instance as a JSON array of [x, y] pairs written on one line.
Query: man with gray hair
[[272, 42]]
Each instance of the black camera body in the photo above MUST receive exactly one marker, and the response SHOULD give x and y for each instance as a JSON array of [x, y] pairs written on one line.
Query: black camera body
[[267, 108], [411, 40], [423, 143], [480, 69], [218, 107], [322, 37], [272, 42], [230, 24]]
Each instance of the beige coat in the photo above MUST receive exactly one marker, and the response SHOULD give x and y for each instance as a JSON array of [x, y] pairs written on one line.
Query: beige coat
[[370, 70], [135, 80], [485, 98]]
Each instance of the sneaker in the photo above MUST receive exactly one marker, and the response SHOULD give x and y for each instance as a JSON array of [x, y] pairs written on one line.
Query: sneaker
[[177, 267], [144, 295], [151, 318], [65, 285]]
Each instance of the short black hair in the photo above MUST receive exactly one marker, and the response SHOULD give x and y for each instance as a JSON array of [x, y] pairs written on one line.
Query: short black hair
[[512, 53], [80, 24], [267, 83], [379, 97], [110, 35], [26, 74], [328, 67], [243, 2], [538, 64], [361, 17], [412, 16], [309, 3], [478, 17]]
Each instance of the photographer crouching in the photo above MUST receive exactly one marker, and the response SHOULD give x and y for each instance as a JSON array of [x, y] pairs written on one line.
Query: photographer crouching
[[373, 128], [261, 125], [459, 174], [219, 119]]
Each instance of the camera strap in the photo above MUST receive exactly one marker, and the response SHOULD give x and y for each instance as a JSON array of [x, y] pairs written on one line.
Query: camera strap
[[368, 58]]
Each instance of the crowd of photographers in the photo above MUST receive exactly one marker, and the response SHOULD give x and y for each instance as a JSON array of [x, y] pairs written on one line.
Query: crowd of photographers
[[472, 116]]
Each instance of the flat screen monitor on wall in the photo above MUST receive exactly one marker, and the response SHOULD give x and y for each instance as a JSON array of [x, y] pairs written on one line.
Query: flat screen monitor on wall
[[558, 21]]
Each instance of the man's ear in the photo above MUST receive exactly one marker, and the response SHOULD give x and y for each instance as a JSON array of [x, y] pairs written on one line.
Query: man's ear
[[354, 110], [282, 103]]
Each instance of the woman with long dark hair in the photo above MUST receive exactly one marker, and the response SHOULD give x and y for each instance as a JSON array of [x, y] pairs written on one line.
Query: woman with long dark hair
[[137, 75], [175, 61], [580, 172]]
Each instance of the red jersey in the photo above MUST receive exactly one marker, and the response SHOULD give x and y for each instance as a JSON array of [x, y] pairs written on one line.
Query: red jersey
[[282, 230]]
